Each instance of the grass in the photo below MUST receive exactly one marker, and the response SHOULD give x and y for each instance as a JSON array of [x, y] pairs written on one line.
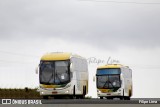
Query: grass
[[25, 93]]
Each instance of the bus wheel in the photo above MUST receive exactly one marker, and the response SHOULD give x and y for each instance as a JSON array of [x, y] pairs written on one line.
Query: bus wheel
[[77, 97], [126, 98], [71, 97], [45, 97], [109, 98], [121, 98], [101, 97], [81, 96]]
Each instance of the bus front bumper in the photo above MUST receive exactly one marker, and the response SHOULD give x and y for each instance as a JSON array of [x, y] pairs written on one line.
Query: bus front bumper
[[52, 92], [109, 94]]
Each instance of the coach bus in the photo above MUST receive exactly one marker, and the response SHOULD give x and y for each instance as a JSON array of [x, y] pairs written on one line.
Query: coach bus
[[63, 74], [114, 81]]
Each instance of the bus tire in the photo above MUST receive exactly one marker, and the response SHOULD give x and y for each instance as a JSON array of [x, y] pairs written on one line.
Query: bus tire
[[81, 97], [127, 98], [71, 96], [121, 98], [45, 97], [109, 98], [101, 97], [77, 96]]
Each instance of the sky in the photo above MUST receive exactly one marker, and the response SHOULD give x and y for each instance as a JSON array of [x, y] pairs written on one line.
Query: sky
[[127, 31]]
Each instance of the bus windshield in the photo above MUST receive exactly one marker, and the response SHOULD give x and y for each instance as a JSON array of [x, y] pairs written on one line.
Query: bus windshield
[[108, 78], [54, 72], [108, 82]]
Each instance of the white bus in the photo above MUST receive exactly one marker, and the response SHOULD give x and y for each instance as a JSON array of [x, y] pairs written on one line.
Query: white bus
[[114, 81], [63, 74]]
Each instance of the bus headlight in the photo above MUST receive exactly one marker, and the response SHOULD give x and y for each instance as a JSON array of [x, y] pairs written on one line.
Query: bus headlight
[[42, 92], [67, 91], [98, 91]]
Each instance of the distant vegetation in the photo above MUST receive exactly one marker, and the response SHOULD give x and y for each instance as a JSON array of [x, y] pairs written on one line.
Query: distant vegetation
[[26, 93]]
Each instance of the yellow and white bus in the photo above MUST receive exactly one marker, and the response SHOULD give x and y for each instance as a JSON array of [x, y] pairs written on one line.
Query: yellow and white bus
[[114, 81], [63, 74]]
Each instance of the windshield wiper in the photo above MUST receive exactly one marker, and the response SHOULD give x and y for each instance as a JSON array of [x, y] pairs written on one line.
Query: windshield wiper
[[108, 84], [111, 84], [105, 84], [57, 76], [50, 78]]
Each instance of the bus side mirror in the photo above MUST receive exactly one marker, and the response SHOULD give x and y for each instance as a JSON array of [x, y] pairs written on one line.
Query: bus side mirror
[[94, 78], [37, 70], [71, 67]]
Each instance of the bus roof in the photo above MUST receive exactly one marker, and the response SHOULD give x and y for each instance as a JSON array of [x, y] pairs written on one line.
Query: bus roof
[[110, 66], [56, 56]]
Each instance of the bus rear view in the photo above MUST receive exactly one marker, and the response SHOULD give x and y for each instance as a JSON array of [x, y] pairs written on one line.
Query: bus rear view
[[114, 81]]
